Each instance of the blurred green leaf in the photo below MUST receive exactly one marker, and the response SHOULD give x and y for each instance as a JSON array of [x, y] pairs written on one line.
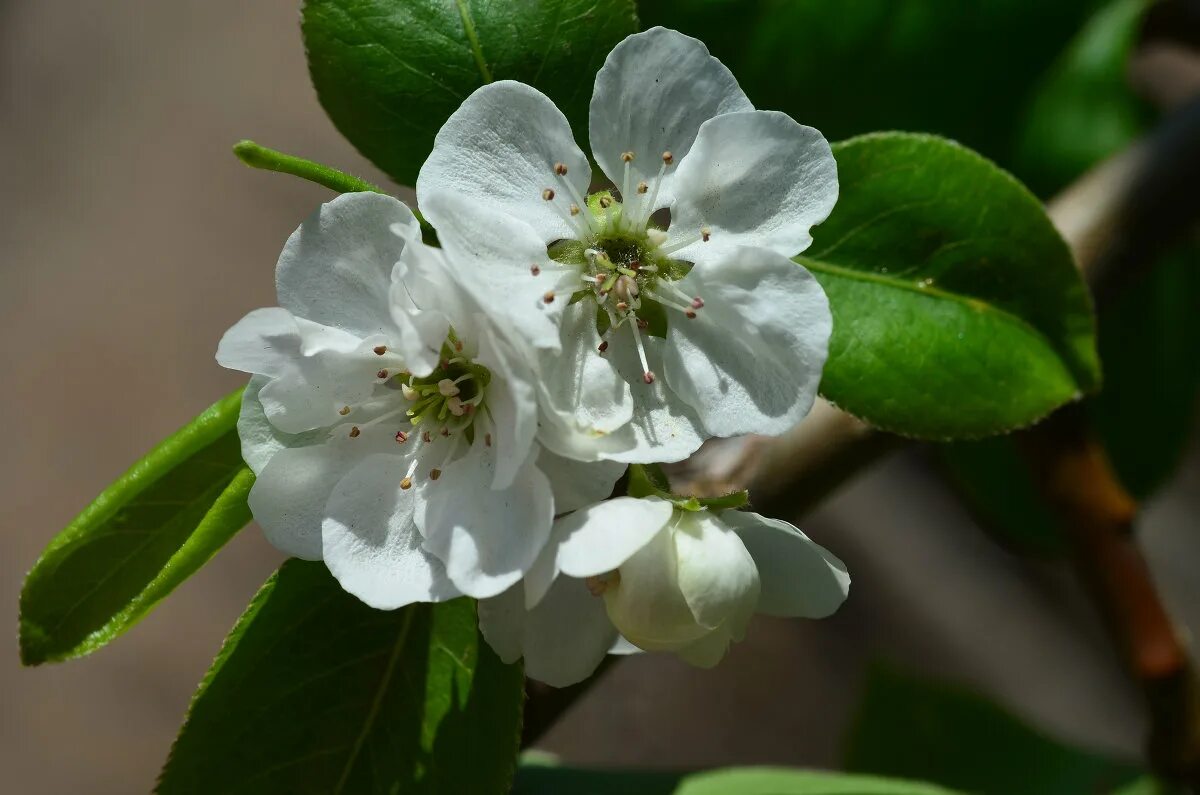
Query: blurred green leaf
[[1084, 109], [314, 692], [960, 69], [914, 728], [541, 779], [957, 310], [1149, 341], [144, 535], [390, 72]]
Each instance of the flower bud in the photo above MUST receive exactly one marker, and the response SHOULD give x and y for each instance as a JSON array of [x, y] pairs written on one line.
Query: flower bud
[[691, 590]]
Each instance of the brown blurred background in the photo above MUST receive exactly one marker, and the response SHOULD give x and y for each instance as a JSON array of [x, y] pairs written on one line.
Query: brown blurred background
[[132, 238]]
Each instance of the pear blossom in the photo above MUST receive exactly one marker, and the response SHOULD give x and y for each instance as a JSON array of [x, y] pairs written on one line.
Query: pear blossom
[[390, 423], [643, 573], [703, 325]]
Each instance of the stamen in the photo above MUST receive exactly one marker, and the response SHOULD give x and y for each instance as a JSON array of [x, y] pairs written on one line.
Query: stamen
[[548, 194], [560, 169], [705, 234], [648, 206], [487, 440], [408, 392], [548, 298], [628, 158], [344, 410], [606, 203], [703, 237], [572, 219], [354, 432], [406, 481], [647, 376], [382, 374], [447, 388], [401, 437], [380, 350], [456, 406], [574, 209], [534, 270], [588, 219]]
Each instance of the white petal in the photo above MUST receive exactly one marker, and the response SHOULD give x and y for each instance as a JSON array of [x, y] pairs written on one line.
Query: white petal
[[487, 539], [425, 303], [583, 397], [709, 650], [646, 604], [370, 543], [751, 361], [753, 179], [288, 499], [577, 483], [500, 147], [336, 268], [663, 428], [260, 439], [799, 577], [623, 648], [596, 540], [717, 574], [511, 407], [653, 93], [601, 537], [502, 263], [265, 341], [563, 639]]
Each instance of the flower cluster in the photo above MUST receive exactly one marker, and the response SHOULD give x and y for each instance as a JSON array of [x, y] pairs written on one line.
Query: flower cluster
[[434, 422]]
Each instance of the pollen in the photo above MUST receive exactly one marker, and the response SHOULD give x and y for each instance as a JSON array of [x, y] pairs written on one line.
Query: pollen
[[548, 194], [643, 188], [344, 410], [382, 374], [668, 158], [401, 437], [648, 377], [560, 169], [380, 350], [354, 432], [406, 484], [705, 234], [627, 157]]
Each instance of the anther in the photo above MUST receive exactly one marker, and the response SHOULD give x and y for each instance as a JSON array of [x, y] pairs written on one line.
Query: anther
[[622, 306], [382, 374], [574, 209], [426, 438], [697, 303], [447, 388], [603, 346], [380, 350], [648, 377], [560, 169], [605, 202], [548, 298], [344, 410], [487, 440], [434, 474], [408, 392], [406, 484], [690, 314], [627, 157], [354, 432], [445, 431], [643, 324], [643, 188], [401, 437], [456, 406], [705, 234], [534, 270], [668, 158], [548, 194]]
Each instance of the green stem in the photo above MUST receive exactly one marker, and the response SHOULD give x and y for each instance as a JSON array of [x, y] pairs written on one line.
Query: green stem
[[257, 156]]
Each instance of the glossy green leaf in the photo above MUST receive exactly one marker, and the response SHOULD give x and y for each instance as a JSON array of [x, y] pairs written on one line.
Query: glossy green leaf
[[1084, 108], [1150, 344], [925, 730], [957, 310], [965, 70], [314, 692], [548, 780], [390, 72], [144, 535]]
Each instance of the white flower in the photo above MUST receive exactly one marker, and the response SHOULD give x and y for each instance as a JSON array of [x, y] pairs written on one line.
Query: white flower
[[390, 423], [662, 578], [708, 326]]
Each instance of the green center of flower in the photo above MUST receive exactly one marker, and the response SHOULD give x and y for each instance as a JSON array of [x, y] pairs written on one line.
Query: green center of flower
[[448, 399]]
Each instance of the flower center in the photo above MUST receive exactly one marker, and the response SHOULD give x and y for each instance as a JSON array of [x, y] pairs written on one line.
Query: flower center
[[624, 259], [449, 404]]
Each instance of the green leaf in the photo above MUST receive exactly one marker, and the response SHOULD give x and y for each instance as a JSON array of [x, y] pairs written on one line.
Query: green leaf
[[1084, 109], [315, 692], [1150, 344], [925, 730], [957, 310], [548, 780], [144, 535], [390, 72], [965, 70]]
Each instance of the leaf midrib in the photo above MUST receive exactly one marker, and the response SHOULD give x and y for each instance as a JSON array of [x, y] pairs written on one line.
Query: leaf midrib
[[473, 39], [976, 304]]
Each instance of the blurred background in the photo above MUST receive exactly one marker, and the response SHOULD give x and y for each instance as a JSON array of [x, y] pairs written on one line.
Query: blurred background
[[132, 239]]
